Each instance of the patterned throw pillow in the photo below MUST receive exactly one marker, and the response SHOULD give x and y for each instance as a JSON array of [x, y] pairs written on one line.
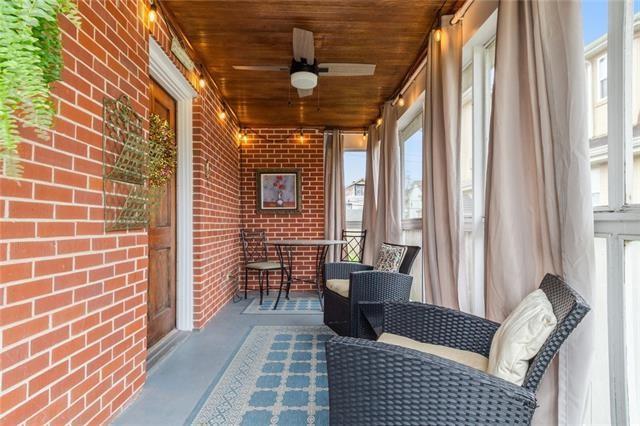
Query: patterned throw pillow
[[389, 258]]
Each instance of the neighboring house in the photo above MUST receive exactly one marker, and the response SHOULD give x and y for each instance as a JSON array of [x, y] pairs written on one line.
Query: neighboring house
[[597, 96], [413, 200], [354, 202]]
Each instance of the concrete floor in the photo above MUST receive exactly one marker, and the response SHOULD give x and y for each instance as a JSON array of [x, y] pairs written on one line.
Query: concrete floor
[[177, 383]]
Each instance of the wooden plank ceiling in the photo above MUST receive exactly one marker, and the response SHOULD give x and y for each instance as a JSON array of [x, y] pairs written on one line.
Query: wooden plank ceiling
[[387, 33]]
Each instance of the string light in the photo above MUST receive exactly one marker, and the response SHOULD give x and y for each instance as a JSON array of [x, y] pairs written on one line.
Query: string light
[[379, 121], [202, 82], [222, 115], [401, 101], [301, 135], [364, 136], [153, 14], [438, 35]]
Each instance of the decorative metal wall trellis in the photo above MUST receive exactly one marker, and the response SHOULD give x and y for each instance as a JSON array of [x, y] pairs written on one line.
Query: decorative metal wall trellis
[[124, 166]]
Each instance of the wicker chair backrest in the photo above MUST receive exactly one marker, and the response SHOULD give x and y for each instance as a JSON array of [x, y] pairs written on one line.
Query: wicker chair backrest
[[569, 308], [408, 259], [254, 245]]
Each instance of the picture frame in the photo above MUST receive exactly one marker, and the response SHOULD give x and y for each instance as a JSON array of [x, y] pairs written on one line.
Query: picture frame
[[278, 190]]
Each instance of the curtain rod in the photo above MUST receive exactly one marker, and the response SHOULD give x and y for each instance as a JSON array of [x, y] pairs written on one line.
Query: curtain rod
[[457, 17]]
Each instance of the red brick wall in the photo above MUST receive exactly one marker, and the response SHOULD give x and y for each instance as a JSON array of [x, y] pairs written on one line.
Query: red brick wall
[[73, 297], [275, 148], [216, 208]]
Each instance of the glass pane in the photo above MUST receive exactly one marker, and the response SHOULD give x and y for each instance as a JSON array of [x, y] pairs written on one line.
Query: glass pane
[[354, 173], [490, 72], [595, 17], [412, 161], [600, 403], [413, 237], [632, 326], [633, 188], [466, 145]]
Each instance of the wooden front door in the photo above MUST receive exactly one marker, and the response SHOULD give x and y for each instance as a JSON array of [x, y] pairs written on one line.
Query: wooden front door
[[161, 295]]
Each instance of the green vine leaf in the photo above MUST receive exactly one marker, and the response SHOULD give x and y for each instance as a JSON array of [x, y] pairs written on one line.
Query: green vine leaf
[[30, 60]]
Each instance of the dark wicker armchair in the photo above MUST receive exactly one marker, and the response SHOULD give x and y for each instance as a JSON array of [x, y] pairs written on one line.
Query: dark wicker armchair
[[376, 383], [354, 315]]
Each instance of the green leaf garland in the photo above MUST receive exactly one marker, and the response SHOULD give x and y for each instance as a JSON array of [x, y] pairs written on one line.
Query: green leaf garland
[[30, 60], [162, 152]]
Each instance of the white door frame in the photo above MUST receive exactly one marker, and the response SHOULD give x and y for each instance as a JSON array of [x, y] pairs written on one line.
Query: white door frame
[[163, 70]]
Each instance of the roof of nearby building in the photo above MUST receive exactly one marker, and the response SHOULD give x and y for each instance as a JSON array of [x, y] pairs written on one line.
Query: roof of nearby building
[[356, 182], [599, 44]]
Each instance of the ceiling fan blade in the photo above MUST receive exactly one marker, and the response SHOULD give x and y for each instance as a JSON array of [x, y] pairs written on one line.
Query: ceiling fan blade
[[304, 92], [303, 45], [346, 70], [260, 68]]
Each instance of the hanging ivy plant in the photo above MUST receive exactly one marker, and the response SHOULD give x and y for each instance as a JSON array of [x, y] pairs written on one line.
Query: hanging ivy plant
[[162, 152], [30, 60]]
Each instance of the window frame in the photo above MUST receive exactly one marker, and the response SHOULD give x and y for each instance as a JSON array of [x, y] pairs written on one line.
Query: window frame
[[477, 53], [414, 124], [618, 221], [601, 78], [344, 187]]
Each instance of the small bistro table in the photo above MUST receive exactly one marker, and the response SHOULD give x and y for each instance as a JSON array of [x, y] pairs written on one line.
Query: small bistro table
[[285, 248]]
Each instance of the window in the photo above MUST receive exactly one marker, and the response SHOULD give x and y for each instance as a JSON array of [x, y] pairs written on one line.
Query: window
[[632, 326], [477, 88], [595, 23], [633, 154], [600, 391], [613, 140], [411, 152], [354, 173], [602, 77], [411, 142]]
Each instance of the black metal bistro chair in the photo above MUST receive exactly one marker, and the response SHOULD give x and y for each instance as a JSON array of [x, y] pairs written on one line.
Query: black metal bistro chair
[[254, 248], [353, 250], [377, 383], [357, 311]]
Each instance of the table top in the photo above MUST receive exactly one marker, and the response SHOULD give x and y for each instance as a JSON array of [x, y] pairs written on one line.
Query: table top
[[306, 242]]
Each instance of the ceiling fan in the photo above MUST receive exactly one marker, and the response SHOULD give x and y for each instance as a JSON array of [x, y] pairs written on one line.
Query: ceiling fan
[[304, 69]]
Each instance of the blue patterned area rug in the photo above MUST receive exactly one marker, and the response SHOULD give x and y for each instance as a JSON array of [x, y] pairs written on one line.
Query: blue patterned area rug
[[277, 377], [297, 304]]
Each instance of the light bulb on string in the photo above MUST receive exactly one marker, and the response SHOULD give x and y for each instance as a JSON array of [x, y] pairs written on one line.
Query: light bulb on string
[[153, 13]]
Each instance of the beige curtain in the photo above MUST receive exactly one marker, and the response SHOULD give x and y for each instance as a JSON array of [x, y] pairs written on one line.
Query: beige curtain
[[441, 213], [538, 206], [370, 192], [334, 208], [388, 220]]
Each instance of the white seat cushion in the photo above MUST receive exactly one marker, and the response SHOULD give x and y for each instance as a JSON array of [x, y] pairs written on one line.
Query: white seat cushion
[[520, 337], [468, 358], [263, 265], [339, 286]]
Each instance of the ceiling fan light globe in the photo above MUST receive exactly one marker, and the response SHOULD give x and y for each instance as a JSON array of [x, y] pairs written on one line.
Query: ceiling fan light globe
[[304, 80]]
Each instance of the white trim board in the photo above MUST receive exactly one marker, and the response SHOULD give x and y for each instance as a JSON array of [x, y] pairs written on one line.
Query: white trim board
[[163, 70]]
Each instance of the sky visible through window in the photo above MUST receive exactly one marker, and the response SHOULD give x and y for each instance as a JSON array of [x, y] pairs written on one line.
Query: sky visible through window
[[593, 12], [413, 158], [354, 166]]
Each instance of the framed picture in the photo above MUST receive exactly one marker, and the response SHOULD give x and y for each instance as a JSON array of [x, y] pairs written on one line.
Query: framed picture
[[278, 190]]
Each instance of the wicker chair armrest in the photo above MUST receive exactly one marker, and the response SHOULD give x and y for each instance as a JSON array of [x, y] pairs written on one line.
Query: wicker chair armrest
[[341, 270], [440, 326], [374, 286], [376, 383]]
